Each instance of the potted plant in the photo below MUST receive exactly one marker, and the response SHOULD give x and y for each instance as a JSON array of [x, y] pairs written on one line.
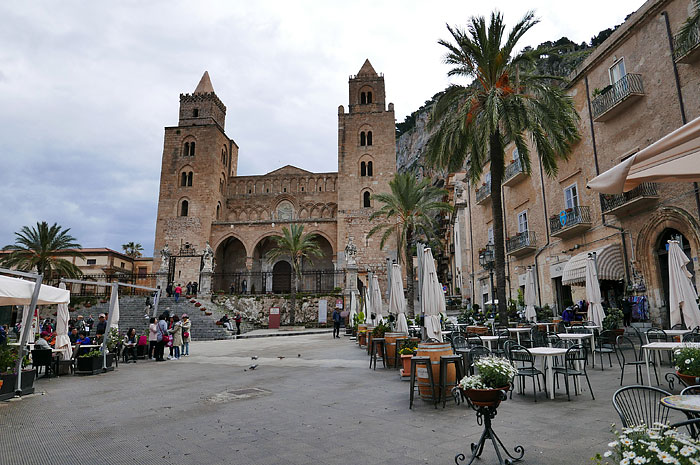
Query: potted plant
[[612, 321], [486, 388], [687, 364], [650, 444], [8, 373], [89, 363], [198, 304], [380, 329], [407, 352]]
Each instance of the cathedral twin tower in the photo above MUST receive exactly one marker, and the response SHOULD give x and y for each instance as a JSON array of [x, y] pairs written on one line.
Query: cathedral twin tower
[[203, 200]]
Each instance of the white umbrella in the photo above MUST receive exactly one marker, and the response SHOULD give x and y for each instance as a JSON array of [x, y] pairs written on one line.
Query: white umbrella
[[595, 307], [62, 339], [397, 302], [353, 308], [433, 299], [33, 323], [530, 296], [115, 311], [367, 302], [682, 295], [377, 299]]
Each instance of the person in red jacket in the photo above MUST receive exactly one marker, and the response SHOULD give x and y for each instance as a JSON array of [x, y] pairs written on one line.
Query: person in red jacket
[[178, 292]]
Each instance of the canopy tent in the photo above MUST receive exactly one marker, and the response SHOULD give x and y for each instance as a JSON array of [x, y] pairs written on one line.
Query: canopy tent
[[530, 295], [673, 158], [682, 295], [16, 291], [62, 339], [433, 299], [595, 307], [610, 266], [376, 299], [397, 301]]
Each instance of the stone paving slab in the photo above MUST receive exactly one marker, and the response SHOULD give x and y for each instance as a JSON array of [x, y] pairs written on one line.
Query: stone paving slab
[[317, 405]]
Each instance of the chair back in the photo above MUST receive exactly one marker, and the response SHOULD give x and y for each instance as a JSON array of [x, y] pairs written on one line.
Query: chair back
[[657, 335], [691, 391], [508, 346], [41, 357], [621, 344], [691, 337], [561, 327], [474, 339], [477, 352], [521, 354], [640, 405], [607, 339], [459, 342], [538, 338], [579, 330], [576, 353], [678, 326]]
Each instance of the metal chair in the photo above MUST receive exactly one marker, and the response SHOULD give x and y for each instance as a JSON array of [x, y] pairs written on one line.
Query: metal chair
[[605, 344], [520, 355], [43, 358], [678, 326], [691, 337], [507, 346], [443, 385], [622, 343], [561, 327], [538, 338], [658, 335], [503, 336], [640, 405], [575, 361], [691, 390], [473, 340], [459, 342], [472, 355]]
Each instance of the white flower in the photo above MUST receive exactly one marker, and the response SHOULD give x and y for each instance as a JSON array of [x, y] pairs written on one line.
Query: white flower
[[687, 451], [607, 453], [677, 367], [687, 361], [674, 447], [639, 460], [629, 454], [612, 444], [625, 442], [625, 462]]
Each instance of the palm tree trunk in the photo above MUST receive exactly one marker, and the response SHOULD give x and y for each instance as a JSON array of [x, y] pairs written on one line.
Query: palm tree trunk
[[408, 263], [293, 298], [496, 154]]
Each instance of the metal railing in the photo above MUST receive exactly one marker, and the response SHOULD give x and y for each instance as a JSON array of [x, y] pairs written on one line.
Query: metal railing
[[100, 290], [267, 282], [569, 218], [483, 191], [614, 94], [520, 240], [511, 170], [682, 45], [613, 201]]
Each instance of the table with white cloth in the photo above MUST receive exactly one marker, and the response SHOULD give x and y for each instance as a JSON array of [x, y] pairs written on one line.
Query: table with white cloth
[[517, 332], [662, 346], [548, 352]]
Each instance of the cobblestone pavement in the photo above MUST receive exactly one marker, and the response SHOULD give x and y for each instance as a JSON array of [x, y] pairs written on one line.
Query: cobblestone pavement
[[317, 405]]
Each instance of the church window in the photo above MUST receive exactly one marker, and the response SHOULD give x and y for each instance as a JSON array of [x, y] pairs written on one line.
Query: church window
[[250, 191], [218, 211], [186, 152], [369, 97], [195, 113], [363, 169], [302, 189], [363, 139], [183, 182], [192, 149], [184, 208], [366, 200], [369, 168], [267, 191], [369, 138], [363, 98]]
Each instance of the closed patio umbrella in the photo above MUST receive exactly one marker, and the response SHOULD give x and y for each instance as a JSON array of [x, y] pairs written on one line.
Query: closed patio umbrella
[[114, 317], [397, 302], [377, 299], [530, 296], [433, 300], [31, 337], [682, 295], [353, 308], [595, 307], [62, 339]]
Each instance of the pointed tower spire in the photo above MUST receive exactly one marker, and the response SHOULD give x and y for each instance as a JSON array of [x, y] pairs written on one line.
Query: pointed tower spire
[[204, 86], [367, 69]]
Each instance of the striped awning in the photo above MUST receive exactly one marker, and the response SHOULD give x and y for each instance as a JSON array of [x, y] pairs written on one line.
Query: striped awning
[[610, 266]]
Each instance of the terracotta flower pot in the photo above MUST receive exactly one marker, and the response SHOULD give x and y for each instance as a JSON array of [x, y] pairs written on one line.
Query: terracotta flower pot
[[485, 397], [406, 361], [689, 379]]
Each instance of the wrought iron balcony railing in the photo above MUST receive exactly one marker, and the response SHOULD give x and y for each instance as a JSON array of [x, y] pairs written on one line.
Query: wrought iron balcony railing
[[520, 241], [513, 170], [684, 46], [611, 202], [629, 84], [483, 192], [570, 218]]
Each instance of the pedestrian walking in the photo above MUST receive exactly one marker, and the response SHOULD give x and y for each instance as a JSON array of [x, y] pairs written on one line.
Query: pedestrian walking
[[189, 288], [194, 288], [336, 323], [176, 332], [233, 289], [178, 291], [237, 318], [162, 338], [169, 290], [186, 335], [244, 287], [152, 338]]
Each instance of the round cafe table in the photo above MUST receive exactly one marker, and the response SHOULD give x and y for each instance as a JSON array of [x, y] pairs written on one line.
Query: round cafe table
[[688, 404]]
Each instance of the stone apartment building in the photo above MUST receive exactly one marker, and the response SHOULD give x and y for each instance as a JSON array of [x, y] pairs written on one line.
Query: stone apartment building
[[204, 204], [637, 86]]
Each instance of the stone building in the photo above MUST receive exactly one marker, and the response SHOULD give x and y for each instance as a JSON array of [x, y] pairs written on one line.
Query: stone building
[[637, 86], [204, 204]]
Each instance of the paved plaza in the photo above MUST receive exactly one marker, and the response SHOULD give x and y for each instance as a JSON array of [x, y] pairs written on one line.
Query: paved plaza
[[317, 405]]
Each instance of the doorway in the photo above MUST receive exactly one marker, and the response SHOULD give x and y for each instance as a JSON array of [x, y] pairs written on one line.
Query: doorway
[[662, 253], [282, 277], [563, 295]]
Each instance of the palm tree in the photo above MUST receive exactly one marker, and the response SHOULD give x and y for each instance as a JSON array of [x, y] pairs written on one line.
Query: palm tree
[[687, 34], [410, 209], [132, 249], [505, 102], [40, 248], [297, 246]]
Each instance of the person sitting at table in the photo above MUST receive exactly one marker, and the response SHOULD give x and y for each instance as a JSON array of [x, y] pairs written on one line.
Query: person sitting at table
[[43, 341], [83, 340], [578, 316], [73, 336], [130, 341], [568, 315], [101, 327], [3, 334]]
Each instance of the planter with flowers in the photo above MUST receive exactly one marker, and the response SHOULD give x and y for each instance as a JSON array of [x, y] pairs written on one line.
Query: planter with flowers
[[198, 304], [644, 444], [687, 364], [486, 388], [407, 352]]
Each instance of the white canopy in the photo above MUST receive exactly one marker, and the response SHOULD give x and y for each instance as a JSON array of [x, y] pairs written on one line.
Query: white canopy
[[673, 158], [682, 295], [595, 307], [62, 339], [16, 291], [376, 299], [397, 302], [433, 299], [530, 295]]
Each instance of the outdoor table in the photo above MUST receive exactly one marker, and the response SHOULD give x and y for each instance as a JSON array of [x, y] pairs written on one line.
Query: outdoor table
[[580, 337], [548, 352], [548, 325], [489, 340], [672, 333], [517, 332], [685, 403], [661, 346]]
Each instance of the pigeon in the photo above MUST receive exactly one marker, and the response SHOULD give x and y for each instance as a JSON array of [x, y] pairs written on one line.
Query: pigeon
[[280, 357], [254, 357], [252, 367], [298, 355]]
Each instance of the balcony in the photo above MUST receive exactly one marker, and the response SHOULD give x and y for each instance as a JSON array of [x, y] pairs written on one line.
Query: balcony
[[521, 244], [618, 96], [687, 50], [570, 222], [483, 194], [514, 173], [639, 198]]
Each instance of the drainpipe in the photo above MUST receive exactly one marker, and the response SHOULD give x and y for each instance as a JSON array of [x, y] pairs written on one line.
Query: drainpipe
[[600, 199], [505, 230], [471, 236], [546, 230], [684, 119]]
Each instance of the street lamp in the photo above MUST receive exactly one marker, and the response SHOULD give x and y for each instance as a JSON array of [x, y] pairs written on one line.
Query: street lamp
[[487, 262]]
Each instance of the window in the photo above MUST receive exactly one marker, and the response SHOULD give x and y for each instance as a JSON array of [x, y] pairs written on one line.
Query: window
[[363, 169], [491, 235], [369, 168], [142, 271], [250, 191], [571, 196], [363, 98], [186, 151], [284, 189], [522, 222], [186, 179], [121, 265], [369, 137], [191, 149], [218, 211], [302, 189], [369, 97], [516, 154], [92, 261], [184, 208], [366, 200], [617, 71], [363, 139], [195, 113], [183, 181]]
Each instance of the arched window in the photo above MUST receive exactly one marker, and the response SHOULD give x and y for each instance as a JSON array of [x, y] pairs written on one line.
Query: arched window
[[363, 139], [369, 97], [184, 208], [363, 169], [186, 151], [192, 149], [183, 181], [366, 200], [369, 168], [369, 138], [190, 175], [218, 211], [363, 98], [195, 113]]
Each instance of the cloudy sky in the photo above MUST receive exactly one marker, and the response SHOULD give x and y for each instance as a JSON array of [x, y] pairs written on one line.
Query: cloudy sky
[[87, 87]]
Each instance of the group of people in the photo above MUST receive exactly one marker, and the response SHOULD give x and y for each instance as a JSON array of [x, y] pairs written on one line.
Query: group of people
[[176, 290], [169, 331], [226, 322]]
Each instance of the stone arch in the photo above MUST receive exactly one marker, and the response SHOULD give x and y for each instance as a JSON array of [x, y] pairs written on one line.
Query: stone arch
[[303, 213], [366, 95], [184, 207], [230, 259], [188, 146], [242, 216], [316, 211]]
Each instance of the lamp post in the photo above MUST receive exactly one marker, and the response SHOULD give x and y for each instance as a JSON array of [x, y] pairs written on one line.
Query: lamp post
[[487, 262]]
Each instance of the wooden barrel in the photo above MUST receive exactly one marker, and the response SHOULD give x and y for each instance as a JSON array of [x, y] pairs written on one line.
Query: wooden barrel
[[434, 350], [390, 341]]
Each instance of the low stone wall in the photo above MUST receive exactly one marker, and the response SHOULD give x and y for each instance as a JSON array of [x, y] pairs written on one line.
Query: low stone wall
[[256, 309]]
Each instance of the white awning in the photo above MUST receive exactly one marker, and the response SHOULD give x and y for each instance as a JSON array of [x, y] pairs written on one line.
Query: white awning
[[610, 266], [16, 291]]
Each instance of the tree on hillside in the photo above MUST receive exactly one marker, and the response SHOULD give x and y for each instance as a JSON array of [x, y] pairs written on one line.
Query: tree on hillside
[[133, 249], [42, 249], [297, 246], [506, 102], [410, 209]]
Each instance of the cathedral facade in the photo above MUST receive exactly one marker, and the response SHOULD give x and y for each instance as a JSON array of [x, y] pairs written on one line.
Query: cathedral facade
[[205, 208]]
